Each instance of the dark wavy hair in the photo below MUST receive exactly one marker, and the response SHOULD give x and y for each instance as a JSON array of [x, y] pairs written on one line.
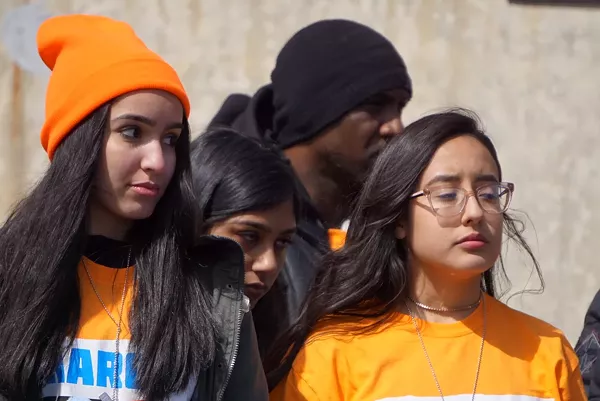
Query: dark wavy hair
[[235, 174], [368, 277], [41, 244]]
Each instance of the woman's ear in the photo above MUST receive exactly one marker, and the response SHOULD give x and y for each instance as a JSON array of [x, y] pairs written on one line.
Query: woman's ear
[[400, 231]]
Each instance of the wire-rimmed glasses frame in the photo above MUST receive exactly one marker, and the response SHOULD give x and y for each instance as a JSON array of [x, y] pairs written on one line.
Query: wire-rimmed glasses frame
[[502, 192]]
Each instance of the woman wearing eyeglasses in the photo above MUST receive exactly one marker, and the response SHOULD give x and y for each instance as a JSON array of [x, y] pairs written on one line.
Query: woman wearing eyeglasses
[[407, 309]]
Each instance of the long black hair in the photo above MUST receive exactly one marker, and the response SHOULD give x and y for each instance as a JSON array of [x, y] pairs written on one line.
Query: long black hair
[[235, 174], [368, 277], [41, 244]]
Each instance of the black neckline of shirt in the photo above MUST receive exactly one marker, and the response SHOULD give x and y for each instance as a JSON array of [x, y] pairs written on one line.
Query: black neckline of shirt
[[108, 252]]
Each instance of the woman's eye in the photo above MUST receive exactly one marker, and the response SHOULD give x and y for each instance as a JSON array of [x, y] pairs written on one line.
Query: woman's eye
[[130, 133], [447, 196], [490, 193], [283, 243], [171, 139], [249, 237]]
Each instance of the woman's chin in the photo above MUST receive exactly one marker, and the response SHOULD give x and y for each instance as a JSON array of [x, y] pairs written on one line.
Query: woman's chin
[[137, 211]]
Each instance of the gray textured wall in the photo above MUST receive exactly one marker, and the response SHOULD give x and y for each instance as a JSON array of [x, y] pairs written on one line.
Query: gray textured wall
[[531, 73]]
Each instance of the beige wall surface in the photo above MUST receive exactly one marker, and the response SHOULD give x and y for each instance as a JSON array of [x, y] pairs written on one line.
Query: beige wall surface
[[531, 73]]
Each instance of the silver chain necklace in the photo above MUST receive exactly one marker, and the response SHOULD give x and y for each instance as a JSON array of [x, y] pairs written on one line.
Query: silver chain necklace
[[444, 309], [437, 383], [104, 396]]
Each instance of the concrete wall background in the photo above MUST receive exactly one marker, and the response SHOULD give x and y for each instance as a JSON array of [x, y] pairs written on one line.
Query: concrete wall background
[[530, 72]]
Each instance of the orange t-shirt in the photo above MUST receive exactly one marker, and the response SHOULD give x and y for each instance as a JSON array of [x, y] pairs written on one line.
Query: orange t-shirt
[[337, 238], [87, 368], [523, 359]]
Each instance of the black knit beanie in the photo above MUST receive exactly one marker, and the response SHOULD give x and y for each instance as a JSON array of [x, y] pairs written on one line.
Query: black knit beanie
[[232, 107], [327, 69]]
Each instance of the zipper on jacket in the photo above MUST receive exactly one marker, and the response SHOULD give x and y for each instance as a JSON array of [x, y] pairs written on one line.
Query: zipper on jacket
[[244, 307]]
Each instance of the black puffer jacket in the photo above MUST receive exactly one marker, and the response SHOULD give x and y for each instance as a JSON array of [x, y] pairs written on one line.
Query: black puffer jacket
[[255, 120], [588, 350]]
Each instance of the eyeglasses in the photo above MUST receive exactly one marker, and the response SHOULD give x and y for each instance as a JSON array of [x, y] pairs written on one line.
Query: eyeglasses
[[448, 202]]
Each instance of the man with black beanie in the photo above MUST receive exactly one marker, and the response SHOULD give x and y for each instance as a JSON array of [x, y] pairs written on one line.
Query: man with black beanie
[[336, 95]]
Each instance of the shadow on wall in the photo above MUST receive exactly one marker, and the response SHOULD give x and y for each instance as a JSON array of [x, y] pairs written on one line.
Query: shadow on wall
[[563, 3]]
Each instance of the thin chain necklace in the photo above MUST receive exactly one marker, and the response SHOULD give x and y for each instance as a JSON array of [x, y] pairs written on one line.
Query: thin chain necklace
[[444, 309], [115, 396], [437, 383]]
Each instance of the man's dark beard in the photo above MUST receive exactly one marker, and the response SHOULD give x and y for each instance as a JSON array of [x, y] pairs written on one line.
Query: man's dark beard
[[348, 178]]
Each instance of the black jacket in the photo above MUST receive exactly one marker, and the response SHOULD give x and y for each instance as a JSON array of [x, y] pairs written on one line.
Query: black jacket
[[311, 242], [237, 372], [588, 350]]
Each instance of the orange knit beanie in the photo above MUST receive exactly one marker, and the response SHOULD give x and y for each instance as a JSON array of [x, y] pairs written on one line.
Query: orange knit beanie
[[95, 59]]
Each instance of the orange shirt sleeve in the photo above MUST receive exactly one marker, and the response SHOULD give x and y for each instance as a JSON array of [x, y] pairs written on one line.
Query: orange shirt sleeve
[[569, 375], [293, 388], [314, 377]]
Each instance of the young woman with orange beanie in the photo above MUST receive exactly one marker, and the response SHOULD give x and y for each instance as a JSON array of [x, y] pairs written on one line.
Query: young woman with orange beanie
[[106, 292]]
